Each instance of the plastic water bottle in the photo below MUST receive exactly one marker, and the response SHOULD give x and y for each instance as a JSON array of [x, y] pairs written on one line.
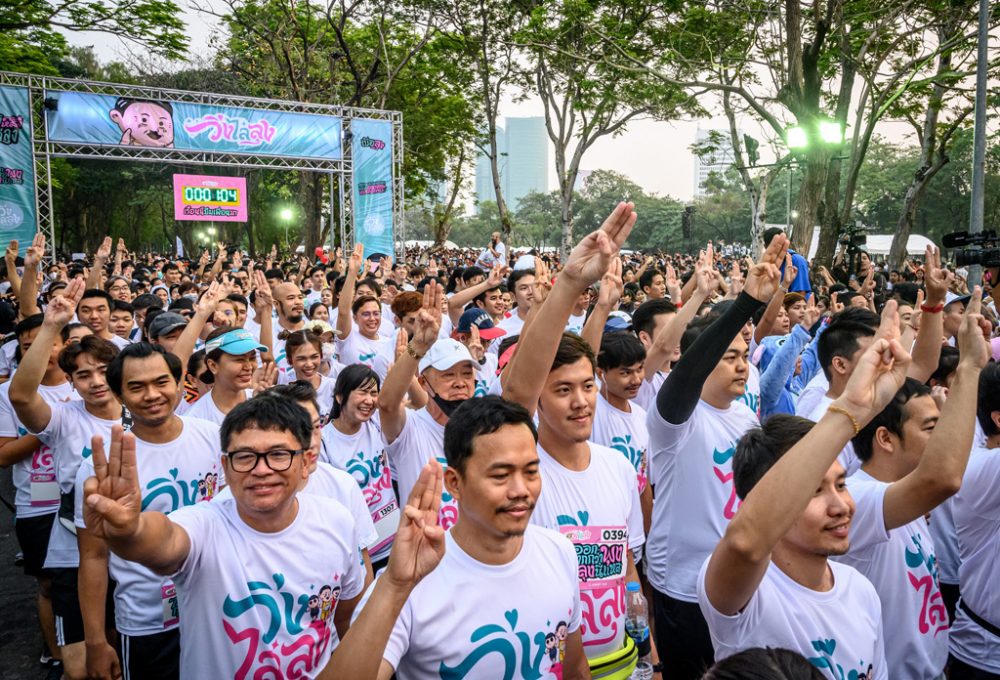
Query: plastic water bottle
[[637, 628]]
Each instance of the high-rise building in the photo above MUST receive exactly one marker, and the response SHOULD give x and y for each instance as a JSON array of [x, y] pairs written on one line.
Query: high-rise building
[[523, 145], [718, 160]]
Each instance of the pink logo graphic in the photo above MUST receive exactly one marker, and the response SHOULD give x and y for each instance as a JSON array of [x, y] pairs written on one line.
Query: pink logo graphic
[[221, 127]]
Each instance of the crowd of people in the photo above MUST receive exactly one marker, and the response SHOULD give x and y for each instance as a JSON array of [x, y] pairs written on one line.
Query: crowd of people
[[451, 466]]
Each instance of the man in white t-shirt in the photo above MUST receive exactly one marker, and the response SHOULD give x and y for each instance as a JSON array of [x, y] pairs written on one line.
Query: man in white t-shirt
[[447, 373], [290, 306], [94, 311], [176, 464], [591, 495], [454, 623], [493, 254], [66, 429], [694, 423], [769, 582], [33, 473], [261, 580], [521, 284], [975, 635], [912, 458]]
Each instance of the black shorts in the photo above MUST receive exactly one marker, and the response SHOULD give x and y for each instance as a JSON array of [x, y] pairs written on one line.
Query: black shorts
[[151, 657], [33, 536], [66, 605]]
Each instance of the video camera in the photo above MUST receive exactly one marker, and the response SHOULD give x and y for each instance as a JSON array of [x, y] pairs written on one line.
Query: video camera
[[972, 248], [855, 237]]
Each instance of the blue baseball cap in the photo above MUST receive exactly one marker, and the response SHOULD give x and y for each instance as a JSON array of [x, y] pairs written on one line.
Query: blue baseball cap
[[480, 319], [236, 342]]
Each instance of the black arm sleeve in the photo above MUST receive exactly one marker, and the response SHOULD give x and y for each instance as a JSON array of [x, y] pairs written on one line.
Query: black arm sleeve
[[680, 392]]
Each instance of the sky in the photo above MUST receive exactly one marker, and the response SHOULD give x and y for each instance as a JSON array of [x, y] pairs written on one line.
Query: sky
[[654, 154]]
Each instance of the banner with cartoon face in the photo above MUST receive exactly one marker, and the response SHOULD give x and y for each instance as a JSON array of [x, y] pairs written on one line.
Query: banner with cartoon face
[[371, 147], [17, 171], [104, 120]]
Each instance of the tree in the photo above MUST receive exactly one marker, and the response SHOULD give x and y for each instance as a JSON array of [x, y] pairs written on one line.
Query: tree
[[584, 97], [154, 24]]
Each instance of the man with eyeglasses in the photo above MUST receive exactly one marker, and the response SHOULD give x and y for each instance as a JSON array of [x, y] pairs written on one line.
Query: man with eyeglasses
[[176, 464], [118, 288], [262, 578]]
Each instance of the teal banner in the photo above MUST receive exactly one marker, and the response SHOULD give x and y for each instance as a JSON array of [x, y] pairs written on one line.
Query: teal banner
[[104, 120], [371, 149], [17, 171]]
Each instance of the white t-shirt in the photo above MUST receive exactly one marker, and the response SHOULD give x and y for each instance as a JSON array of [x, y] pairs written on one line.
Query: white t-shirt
[[625, 433], [206, 409], [7, 361], [847, 457], [812, 394], [183, 472], [34, 477], [456, 625], [486, 374], [118, 341], [512, 323], [324, 394], [378, 354], [363, 456], [68, 436], [839, 631], [692, 466], [421, 440], [646, 398], [902, 567], [261, 604], [977, 520], [751, 393], [575, 323], [598, 510], [946, 541]]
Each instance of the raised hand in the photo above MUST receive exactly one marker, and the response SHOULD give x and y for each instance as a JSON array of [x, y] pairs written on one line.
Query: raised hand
[[205, 257], [62, 307], [543, 282], [262, 298], [475, 344], [401, 339], [936, 278], [812, 313], [104, 251], [612, 286], [835, 304], [112, 500], [589, 260], [357, 259], [11, 254], [673, 282], [264, 377], [496, 276], [427, 325], [36, 251], [764, 277], [208, 303], [419, 543], [121, 247], [974, 333], [880, 371]]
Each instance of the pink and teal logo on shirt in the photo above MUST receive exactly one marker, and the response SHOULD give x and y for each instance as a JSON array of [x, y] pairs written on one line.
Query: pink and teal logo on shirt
[[922, 573], [636, 456], [723, 470], [178, 493], [513, 654], [826, 649], [286, 634]]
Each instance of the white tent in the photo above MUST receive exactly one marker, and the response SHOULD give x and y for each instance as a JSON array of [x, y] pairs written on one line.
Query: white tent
[[879, 244]]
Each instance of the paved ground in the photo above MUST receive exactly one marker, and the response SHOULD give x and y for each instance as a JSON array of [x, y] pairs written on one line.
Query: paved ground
[[20, 641]]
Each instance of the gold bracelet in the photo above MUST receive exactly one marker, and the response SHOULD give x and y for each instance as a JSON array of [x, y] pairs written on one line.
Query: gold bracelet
[[833, 408], [412, 352]]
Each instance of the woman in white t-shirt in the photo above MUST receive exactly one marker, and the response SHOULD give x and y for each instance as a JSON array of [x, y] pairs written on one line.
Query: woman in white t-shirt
[[358, 321], [231, 358], [353, 442], [304, 352]]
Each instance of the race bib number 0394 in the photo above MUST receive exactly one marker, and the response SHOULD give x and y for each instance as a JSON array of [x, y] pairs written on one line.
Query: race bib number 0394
[[600, 553]]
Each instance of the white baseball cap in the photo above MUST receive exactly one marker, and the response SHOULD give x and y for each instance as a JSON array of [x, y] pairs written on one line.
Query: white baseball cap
[[444, 354], [953, 297]]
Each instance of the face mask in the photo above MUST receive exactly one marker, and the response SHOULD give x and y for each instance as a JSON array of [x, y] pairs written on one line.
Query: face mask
[[192, 298], [53, 276]]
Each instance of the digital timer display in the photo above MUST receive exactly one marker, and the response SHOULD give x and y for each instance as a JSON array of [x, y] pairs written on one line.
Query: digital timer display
[[210, 196]]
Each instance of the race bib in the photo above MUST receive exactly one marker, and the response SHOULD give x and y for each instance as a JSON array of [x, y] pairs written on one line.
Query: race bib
[[171, 614], [386, 521], [600, 553], [44, 490]]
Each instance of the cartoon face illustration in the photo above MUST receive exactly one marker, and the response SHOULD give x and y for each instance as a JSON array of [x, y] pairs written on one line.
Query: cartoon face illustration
[[144, 122], [551, 647], [313, 605], [561, 630], [202, 489]]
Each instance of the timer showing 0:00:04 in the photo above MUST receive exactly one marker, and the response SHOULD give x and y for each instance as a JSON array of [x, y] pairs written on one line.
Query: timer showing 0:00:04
[[211, 196]]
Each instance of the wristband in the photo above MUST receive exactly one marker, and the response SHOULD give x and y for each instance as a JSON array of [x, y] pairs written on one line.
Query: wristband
[[931, 310], [833, 408], [412, 352]]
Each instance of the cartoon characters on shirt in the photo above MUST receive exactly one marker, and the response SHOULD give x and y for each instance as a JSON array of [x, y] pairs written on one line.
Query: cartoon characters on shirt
[[275, 611], [523, 655], [178, 493], [826, 649], [448, 514], [723, 469], [922, 574]]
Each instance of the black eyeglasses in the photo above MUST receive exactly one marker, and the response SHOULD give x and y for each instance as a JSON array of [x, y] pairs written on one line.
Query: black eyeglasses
[[278, 460]]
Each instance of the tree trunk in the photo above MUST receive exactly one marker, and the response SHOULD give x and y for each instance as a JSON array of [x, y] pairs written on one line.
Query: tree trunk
[[811, 200], [442, 221]]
